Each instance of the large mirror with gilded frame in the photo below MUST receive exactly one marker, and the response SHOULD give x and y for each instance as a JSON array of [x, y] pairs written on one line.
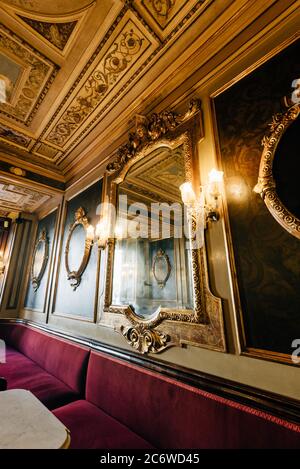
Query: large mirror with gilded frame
[[157, 289], [278, 180]]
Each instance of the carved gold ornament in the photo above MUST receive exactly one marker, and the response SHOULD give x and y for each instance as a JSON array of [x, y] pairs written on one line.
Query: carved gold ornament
[[266, 185], [36, 277], [74, 276], [202, 324]]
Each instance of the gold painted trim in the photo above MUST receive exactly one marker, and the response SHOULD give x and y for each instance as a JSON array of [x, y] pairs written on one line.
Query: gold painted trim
[[266, 185], [36, 279], [74, 276]]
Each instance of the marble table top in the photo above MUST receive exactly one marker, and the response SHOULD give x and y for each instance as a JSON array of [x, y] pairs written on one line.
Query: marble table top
[[25, 423]]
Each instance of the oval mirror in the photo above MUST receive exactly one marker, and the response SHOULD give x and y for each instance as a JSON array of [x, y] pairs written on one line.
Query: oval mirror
[[39, 260], [78, 248]]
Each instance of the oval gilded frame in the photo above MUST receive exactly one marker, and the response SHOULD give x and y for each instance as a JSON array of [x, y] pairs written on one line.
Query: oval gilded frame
[[266, 185], [36, 278], [74, 276]]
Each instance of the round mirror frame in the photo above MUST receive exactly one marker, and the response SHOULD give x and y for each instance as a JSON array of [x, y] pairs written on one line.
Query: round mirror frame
[[161, 255], [36, 279], [74, 276], [266, 185]]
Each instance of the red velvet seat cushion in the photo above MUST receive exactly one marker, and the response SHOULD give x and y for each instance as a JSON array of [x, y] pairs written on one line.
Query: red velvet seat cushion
[[22, 373], [63, 359], [170, 414], [91, 428]]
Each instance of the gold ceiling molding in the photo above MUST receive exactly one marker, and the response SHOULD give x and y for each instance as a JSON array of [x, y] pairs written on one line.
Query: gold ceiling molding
[[57, 34], [39, 72], [127, 46]]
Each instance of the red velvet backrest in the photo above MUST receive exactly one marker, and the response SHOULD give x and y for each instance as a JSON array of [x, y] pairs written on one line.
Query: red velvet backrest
[[170, 414], [63, 359]]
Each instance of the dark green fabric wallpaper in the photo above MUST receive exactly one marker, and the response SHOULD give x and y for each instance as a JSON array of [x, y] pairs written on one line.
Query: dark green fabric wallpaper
[[267, 257]]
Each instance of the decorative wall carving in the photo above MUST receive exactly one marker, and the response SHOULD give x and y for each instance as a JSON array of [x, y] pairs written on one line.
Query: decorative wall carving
[[56, 33], [150, 130], [266, 185], [38, 73], [126, 49]]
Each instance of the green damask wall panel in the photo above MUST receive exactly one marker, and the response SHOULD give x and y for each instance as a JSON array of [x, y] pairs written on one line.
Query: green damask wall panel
[[267, 258]]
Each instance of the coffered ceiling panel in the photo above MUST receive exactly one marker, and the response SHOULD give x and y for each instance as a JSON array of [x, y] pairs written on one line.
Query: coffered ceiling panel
[[74, 69], [30, 75], [15, 197]]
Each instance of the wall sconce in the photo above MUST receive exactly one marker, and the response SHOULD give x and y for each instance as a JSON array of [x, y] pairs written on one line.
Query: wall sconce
[[102, 233], [90, 232], [2, 265], [207, 207]]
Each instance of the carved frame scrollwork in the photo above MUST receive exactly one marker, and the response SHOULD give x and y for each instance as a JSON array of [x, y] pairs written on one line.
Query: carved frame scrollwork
[[203, 325], [74, 276], [266, 185], [36, 279]]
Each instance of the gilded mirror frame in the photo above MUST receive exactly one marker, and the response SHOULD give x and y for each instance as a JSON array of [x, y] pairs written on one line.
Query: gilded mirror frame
[[36, 279], [74, 276], [203, 325], [266, 185]]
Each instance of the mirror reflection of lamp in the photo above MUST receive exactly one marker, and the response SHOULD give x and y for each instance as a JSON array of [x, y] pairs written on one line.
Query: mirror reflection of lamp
[[207, 204], [2, 265]]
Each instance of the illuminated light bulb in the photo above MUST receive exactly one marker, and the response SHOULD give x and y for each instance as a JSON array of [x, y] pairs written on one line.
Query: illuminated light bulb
[[90, 232], [187, 193], [215, 176], [102, 231]]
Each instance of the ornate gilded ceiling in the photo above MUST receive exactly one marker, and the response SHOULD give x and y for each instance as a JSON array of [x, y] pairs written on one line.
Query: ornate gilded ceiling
[[17, 198], [79, 67]]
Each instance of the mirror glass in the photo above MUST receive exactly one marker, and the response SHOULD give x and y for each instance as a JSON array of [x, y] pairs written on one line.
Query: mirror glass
[[152, 266], [76, 248], [286, 168], [39, 258]]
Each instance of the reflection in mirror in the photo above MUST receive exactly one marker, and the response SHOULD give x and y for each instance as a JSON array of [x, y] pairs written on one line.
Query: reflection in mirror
[[286, 168], [152, 269], [76, 247]]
